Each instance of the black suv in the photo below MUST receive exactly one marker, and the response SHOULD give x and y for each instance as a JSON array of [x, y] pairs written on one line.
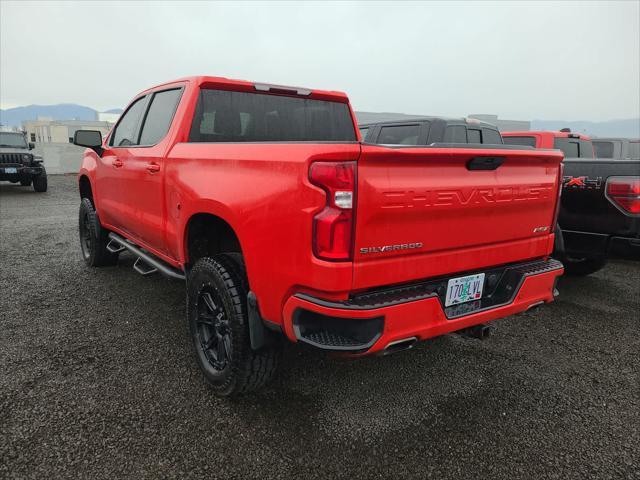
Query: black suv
[[429, 130], [18, 164]]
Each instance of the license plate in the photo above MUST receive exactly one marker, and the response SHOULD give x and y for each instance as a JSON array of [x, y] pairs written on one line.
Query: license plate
[[464, 289], [10, 170]]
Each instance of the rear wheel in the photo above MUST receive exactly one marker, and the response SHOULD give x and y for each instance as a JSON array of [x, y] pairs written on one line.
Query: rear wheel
[[583, 266], [218, 324], [40, 181], [93, 238]]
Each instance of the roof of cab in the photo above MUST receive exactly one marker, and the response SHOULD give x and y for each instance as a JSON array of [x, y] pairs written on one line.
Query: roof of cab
[[245, 85]]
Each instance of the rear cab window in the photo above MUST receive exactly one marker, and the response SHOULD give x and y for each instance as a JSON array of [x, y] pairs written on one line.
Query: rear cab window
[[230, 116], [523, 140]]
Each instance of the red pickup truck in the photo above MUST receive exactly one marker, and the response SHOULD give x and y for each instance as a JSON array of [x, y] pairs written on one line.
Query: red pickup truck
[[286, 226]]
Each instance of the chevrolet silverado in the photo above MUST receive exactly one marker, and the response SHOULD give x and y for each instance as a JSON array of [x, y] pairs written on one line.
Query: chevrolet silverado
[[285, 226]]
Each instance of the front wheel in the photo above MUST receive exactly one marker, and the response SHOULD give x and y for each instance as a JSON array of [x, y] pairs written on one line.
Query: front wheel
[[583, 266], [218, 325], [40, 181], [93, 238]]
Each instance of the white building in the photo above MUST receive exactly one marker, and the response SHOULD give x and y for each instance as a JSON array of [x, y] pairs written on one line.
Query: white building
[[108, 117], [61, 131]]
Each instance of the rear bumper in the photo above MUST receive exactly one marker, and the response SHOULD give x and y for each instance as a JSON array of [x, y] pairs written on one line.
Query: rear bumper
[[599, 245], [412, 311]]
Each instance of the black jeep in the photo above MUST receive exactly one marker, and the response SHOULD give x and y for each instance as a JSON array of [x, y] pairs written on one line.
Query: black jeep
[[18, 164]]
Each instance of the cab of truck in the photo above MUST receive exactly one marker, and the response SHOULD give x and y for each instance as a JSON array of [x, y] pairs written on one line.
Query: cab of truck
[[430, 130]]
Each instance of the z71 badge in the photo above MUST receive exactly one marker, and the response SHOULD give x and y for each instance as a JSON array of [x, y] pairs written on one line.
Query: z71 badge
[[582, 183]]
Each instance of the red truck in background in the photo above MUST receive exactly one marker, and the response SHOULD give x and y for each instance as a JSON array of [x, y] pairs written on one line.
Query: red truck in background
[[286, 226]]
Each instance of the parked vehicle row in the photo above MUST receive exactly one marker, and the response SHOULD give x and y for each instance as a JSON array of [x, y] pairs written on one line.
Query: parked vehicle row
[[286, 226]]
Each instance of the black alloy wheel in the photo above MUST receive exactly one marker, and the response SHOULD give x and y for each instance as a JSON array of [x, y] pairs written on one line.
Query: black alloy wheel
[[213, 329], [85, 235]]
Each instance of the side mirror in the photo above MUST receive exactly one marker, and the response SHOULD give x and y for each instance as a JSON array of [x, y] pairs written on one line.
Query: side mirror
[[31, 146], [89, 138]]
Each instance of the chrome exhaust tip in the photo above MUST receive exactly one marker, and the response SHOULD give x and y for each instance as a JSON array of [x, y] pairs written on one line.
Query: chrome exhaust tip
[[399, 345]]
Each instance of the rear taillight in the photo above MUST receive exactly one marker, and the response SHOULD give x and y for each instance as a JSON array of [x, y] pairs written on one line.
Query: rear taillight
[[556, 212], [333, 226], [624, 193]]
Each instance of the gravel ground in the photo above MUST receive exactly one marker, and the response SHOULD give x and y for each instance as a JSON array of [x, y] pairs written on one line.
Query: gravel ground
[[97, 380]]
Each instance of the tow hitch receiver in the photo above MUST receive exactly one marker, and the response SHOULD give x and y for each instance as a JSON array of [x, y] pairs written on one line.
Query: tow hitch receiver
[[481, 331]]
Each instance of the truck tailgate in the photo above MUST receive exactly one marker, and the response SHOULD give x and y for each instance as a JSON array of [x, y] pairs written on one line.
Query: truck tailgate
[[424, 212], [585, 206]]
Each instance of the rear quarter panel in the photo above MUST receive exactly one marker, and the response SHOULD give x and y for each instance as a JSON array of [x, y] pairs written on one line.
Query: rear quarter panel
[[262, 191]]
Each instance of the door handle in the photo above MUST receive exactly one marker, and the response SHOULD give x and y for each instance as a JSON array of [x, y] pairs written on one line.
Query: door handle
[[153, 168], [117, 163]]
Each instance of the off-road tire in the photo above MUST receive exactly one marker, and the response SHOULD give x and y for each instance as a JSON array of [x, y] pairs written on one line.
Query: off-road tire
[[93, 238], [246, 370], [25, 182], [40, 181], [582, 266]]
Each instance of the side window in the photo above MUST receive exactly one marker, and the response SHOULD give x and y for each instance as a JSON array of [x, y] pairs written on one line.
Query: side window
[[399, 135], [455, 134], [363, 133], [526, 141], [490, 136], [586, 149], [603, 149], [126, 130], [159, 117], [568, 147], [473, 136]]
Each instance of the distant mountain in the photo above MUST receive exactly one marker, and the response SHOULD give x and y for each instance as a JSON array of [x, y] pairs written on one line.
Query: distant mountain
[[612, 128], [114, 110], [64, 111]]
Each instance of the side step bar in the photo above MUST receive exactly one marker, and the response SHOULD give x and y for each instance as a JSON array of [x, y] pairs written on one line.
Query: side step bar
[[154, 264]]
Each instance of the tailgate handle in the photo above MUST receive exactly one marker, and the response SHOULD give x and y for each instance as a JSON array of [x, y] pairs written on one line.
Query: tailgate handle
[[484, 163]]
